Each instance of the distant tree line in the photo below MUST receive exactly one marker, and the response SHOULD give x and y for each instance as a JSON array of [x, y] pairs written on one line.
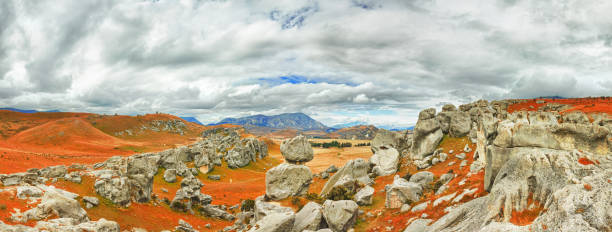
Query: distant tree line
[[337, 144]]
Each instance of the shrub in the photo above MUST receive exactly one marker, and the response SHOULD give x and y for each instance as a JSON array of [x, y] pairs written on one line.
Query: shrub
[[2, 207], [437, 186], [247, 205]]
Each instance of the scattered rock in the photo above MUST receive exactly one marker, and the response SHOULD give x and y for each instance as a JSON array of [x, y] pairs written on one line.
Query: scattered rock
[[24, 192], [214, 177], [405, 208], [460, 156], [183, 226], [91, 202], [263, 208], [420, 207]]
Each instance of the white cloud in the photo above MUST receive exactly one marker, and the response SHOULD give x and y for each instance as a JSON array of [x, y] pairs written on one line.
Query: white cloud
[[207, 58]]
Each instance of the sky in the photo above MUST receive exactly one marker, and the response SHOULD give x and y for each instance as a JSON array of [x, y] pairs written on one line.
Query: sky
[[339, 61]]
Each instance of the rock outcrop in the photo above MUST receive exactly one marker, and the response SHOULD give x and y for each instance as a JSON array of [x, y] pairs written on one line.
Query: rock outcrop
[[427, 134]]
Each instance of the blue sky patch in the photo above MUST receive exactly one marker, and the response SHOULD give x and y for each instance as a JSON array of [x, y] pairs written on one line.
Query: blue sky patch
[[298, 79]]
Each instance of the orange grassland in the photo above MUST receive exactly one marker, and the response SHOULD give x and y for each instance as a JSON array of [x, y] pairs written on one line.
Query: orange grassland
[[44, 139]]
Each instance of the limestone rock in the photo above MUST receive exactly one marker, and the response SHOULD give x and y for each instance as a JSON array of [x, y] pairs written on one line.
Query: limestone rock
[[401, 191], [263, 208], [340, 215], [385, 161], [353, 174], [170, 175], [310, 217], [276, 222], [364, 196], [297, 149], [423, 179], [287, 180], [53, 203]]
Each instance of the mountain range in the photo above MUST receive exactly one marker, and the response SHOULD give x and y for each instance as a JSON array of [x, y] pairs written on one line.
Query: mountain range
[[298, 121]]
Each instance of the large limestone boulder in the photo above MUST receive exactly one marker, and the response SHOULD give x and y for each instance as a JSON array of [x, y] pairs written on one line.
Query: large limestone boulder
[[116, 189], [340, 215], [422, 178], [349, 178], [53, 203], [140, 171], [276, 222], [54, 171], [310, 217], [264, 208], [401, 192], [287, 180], [237, 157], [297, 149], [427, 134], [385, 139], [385, 161], [460, 124]]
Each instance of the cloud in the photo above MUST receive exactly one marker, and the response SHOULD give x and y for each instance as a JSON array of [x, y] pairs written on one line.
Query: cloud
[[378, 61]]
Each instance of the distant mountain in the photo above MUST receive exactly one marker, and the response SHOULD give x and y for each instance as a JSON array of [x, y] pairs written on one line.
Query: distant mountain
[[192, 119], [27, 111], [349, 124], [298, 121], [395, 128]]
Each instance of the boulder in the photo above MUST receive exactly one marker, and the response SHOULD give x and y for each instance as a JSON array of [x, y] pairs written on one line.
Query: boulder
[[423, 178], [353, 174], [427, 135], [170, 175], [297, 149], [71, 224], [460, 124], [140, 172], [91, 202], [340, 215], [276, 222], [264, 208], [385, 161], [115, 189], [183, 226], [419, 225], [215, 212], [385, 139], [364, 196], [237, 157], [24, 192], [310, 217], [189, 195], [287, 180], [53, 203], [401, 191], [54, 171]]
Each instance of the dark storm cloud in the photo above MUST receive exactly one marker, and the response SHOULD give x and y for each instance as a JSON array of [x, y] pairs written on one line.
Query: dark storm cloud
[[380, 61]]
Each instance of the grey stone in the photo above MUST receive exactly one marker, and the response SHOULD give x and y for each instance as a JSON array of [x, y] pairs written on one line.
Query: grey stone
[[340, 215], [287, 180], [310, 217], [364, 196], [297, 149], [401, 191], [170, 175]]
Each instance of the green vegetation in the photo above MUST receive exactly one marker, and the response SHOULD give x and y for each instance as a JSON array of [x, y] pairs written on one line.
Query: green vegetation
[[131, 148], [247, 205], [332, 144]]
